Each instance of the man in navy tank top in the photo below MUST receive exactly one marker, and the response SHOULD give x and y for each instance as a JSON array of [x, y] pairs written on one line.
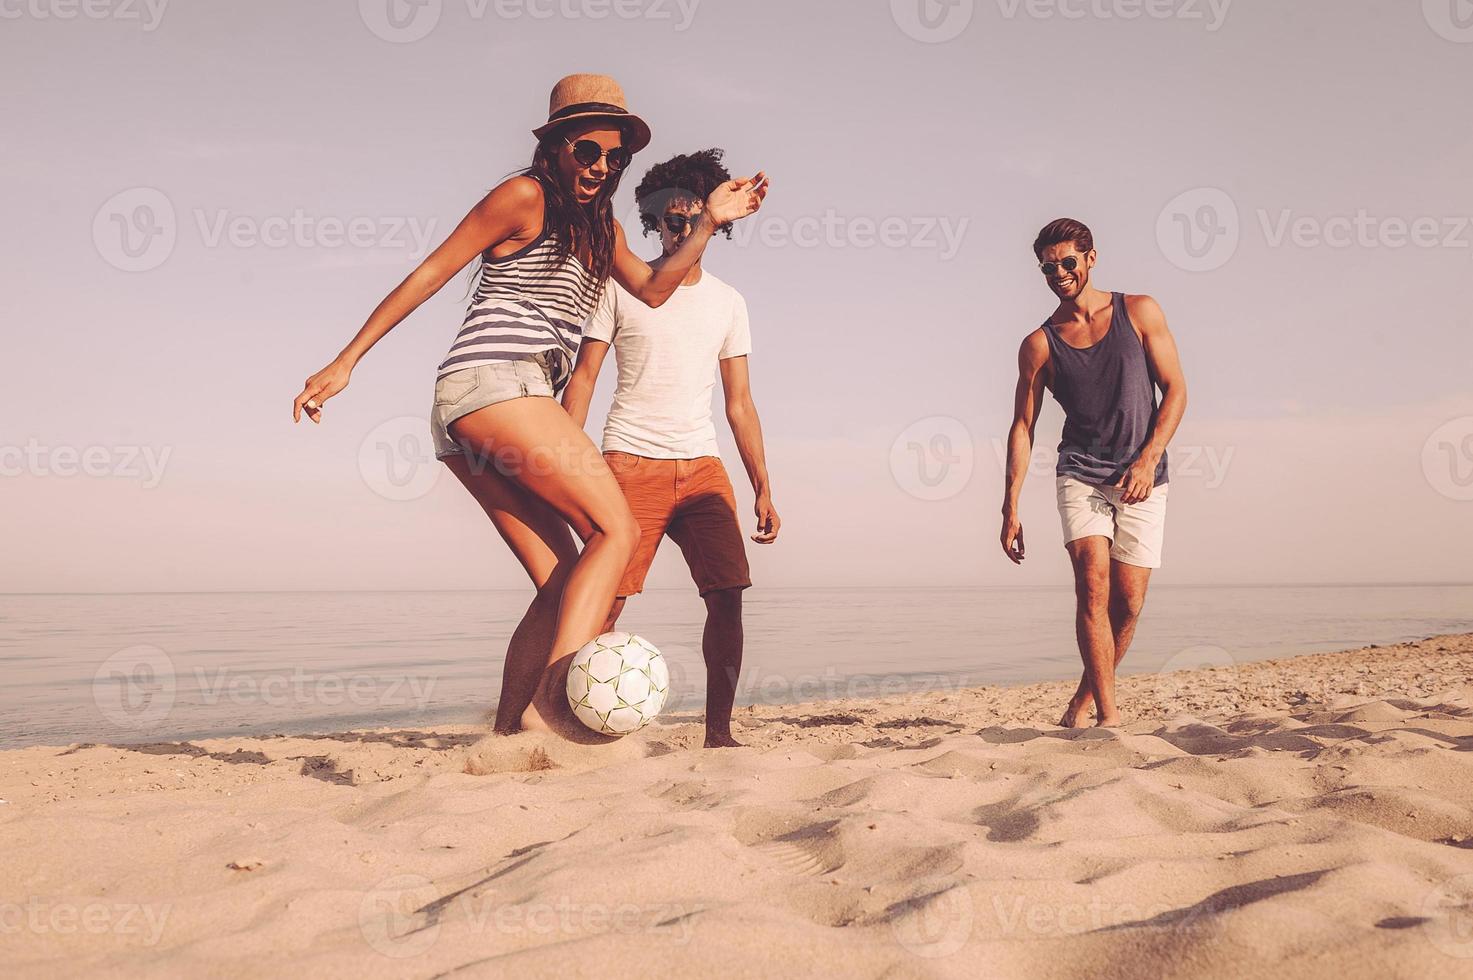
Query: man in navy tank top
[[1103, 356]]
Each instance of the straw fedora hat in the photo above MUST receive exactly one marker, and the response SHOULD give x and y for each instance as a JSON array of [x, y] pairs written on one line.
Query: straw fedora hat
[[592, 97]]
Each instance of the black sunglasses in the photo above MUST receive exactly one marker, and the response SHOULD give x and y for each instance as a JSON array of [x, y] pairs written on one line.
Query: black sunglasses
[[676, 222], [587, 153], [1068, 263]]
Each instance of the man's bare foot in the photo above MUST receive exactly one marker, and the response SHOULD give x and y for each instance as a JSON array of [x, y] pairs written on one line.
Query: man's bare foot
[[721, 740], [1109, 721], [1074, 716]]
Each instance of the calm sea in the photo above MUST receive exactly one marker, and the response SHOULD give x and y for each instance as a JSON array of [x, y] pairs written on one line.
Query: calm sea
[[173, 666]]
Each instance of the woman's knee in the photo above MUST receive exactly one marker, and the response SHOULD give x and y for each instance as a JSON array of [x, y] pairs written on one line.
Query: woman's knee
[[623, 531]]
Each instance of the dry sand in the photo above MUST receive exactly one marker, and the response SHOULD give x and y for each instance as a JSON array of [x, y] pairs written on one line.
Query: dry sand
[[1303, 817]]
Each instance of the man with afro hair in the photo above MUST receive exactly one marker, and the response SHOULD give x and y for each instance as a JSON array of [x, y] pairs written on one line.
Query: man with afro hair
[[659, 440]]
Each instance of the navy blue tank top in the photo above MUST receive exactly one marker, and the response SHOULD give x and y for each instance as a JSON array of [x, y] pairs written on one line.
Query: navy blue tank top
[[1109, 401]]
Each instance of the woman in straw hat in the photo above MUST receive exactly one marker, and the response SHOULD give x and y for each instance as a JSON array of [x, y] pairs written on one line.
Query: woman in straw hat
[[547, 242]]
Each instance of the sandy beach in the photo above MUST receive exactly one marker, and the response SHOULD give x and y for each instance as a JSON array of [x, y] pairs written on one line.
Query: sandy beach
[[1307, 816]]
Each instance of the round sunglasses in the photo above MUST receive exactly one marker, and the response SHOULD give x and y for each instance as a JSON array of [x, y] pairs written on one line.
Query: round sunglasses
[[588, 152], [1068, 263], [676, 223]]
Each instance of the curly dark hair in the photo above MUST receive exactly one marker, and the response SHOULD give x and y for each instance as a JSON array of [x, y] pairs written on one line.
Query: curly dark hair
[[690, 175]]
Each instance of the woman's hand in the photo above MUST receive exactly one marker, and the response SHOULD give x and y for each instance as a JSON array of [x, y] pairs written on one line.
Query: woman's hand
[[736, 199], [317, 389]]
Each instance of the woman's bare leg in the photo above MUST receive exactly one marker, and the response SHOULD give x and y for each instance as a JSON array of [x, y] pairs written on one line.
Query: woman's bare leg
[[543, 543], [536, 444]]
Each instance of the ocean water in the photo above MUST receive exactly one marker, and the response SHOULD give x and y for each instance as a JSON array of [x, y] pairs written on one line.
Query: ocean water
[[143, 667]]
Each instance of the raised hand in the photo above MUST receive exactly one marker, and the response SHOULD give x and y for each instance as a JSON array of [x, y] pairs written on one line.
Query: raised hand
[[736, 199]]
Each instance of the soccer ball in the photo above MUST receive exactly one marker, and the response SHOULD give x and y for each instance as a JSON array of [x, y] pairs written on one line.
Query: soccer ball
[[617, 683]]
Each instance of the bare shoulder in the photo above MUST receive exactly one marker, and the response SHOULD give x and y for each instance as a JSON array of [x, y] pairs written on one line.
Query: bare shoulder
[[1034, 351], [521, 188], [1145, 313]]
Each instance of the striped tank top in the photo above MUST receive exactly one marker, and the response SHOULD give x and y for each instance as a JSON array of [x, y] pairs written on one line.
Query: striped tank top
[[526, 303]]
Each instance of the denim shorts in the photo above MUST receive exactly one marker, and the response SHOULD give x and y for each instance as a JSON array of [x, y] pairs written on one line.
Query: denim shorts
[[463, 392]]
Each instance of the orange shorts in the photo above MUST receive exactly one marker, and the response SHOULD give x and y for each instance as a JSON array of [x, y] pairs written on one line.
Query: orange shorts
[[692, 501]]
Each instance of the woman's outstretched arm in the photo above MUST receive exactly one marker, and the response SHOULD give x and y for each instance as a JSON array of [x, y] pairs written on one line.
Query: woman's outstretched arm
[[513, 209], [731, 201]]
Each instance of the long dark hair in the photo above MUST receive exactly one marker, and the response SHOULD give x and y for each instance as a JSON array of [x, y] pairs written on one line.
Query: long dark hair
[[573, 225]]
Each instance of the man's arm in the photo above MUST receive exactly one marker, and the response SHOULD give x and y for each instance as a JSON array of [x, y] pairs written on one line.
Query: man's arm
[[741, 413], [1166, 372], [1027, 399], [579, 391]]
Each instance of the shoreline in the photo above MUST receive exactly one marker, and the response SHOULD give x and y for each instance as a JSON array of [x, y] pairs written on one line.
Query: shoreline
[[1307, 815], [862, 687]]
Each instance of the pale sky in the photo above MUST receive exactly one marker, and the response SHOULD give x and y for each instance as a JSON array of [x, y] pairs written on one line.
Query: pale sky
[[205, 200]]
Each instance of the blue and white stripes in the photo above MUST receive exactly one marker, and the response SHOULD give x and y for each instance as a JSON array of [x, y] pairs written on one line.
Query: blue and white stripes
[[525, 303]]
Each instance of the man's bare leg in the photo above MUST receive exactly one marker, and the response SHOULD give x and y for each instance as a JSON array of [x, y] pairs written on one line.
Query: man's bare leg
[[1128, 585], [1091, 559], [721, 646]]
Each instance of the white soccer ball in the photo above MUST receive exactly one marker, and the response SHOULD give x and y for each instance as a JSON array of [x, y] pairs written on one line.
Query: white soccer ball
[[617, 683]]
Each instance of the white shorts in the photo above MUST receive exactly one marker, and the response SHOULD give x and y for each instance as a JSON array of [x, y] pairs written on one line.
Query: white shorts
[[1136, 531]]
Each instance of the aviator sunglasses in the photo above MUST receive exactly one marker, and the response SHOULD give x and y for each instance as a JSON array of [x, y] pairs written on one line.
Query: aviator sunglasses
[[587, 153], [1068, 263]]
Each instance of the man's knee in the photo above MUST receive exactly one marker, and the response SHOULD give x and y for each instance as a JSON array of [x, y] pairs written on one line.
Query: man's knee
[[1126, 606], [1092, 586], [724, 603]]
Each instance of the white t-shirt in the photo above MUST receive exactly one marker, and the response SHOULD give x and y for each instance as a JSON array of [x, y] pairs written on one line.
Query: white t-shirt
[[667, 365]]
